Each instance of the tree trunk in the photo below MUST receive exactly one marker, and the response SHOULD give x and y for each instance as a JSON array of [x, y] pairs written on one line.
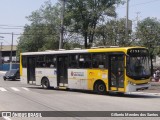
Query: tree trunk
[[151, 56], [85, 40]]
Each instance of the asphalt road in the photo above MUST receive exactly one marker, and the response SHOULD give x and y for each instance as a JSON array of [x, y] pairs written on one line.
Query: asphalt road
[[15, 96]]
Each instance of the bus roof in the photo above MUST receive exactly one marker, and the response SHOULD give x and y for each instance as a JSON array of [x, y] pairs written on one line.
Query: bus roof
[[115, 49]]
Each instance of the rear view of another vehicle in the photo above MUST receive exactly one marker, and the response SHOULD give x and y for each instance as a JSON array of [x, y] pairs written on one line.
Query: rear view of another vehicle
[[12, 75]]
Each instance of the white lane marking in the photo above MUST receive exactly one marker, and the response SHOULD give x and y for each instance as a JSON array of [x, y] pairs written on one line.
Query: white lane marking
[[25, 89], [137, 92], [2, 89], [145, 93], [6, 118], [153, 93], [15, 89]]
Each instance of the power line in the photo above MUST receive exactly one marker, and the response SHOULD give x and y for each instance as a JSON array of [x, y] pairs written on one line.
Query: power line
[[25, 34], [7, 42], [39, 25], [22, 27], [141, 3], [1, 25], [145, 3], [9, 34], [36, 27], [10, 28]]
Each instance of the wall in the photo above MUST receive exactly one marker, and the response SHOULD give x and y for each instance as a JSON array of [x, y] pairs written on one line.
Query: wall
[[6, 66]]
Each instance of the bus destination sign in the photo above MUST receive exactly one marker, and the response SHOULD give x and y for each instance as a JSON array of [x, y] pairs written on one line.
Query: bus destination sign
[[138, 51]]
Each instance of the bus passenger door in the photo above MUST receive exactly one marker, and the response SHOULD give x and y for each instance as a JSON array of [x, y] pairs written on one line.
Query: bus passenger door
[[31, 70], [62, 70], [116, 72]]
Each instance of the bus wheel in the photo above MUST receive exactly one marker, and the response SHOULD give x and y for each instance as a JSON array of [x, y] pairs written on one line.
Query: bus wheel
[[45, 83], [120, 93], [100, 88]]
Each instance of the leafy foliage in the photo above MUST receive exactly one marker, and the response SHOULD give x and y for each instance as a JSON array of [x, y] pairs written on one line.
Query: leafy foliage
[[43, 33], [87, 22], [112, 33], [83, 16], [147, 34]]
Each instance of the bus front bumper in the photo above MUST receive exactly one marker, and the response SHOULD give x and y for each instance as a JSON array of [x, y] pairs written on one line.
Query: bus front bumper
[[134, 88]]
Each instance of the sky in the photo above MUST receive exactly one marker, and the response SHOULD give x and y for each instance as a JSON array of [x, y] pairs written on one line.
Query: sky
[[13, 14]]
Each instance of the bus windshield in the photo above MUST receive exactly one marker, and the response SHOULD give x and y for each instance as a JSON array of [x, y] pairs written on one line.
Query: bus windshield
[[138, 66]]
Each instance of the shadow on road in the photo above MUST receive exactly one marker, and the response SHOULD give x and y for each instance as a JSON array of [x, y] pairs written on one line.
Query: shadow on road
[[12, 80], [113, 94], [39, 87], [146, 95]]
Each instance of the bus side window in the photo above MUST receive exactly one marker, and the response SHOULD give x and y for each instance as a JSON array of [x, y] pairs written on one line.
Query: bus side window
[[85, 61], [98, 60], [73, 61], [41, 61], [50, 61]]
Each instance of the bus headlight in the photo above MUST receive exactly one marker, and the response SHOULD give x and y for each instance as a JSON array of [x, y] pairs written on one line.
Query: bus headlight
[[131, 83]]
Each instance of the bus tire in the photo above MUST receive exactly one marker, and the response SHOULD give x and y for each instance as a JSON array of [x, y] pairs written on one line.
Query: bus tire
[[45, 83], [99, 87], [120, 93]]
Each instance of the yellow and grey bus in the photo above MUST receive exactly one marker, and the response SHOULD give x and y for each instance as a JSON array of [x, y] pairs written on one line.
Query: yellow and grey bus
[[117, 69]]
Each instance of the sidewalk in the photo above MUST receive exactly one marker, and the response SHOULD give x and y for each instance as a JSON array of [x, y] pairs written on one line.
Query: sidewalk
[[155, 88], [155, 83]]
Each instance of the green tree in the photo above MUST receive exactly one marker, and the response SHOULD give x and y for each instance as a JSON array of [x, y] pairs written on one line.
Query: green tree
[[112, 33], [83, 16], [43, 32], [147, 35]]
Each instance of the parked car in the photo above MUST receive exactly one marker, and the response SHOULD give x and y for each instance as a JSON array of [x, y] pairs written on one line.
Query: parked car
[[12, 74]]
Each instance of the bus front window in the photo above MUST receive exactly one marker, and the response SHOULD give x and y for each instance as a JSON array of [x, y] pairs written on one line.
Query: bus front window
[[138, 67]]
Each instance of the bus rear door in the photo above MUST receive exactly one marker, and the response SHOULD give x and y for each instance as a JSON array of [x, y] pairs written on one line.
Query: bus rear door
[[31, 70], [62, 70]]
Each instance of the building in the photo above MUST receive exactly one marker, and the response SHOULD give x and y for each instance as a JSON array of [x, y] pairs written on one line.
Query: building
[[5, 53]]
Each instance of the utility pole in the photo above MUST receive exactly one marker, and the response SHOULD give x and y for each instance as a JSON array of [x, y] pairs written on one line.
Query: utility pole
[[11, 53], [1, 45], [115, 27], [1, 53], [62, 25], [1, 50], [126, 29], [137, 17]]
